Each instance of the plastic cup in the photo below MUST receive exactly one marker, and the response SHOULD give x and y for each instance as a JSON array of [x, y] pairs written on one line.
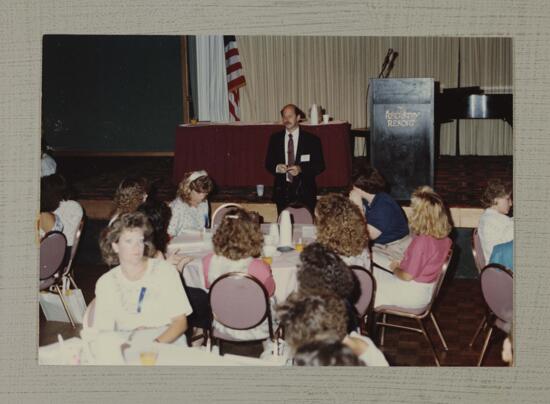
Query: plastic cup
[[148, 358], [260, 190], [326, 118], [299, 247], [268, 260]]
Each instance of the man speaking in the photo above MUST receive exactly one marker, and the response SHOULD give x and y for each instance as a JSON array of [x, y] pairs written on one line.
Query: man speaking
[[295, 158]]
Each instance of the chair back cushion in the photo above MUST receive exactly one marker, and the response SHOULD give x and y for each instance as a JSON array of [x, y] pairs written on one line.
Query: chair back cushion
[[52, 253], [477, 251], [220, 213], [497, 285], [367, 288], [299, 215], [238, 301]]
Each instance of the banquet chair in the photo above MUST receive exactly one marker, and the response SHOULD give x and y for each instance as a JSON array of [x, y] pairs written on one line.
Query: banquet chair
[[363, 305], [497, 286], [477, 251], [418, 314], [219, 213], [74, 248], [89, 316], [298, 215], [479, 260], [240, 302], [52, 255]]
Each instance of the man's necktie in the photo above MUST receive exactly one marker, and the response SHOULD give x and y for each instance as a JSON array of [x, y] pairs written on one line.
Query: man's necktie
[[290, 156]]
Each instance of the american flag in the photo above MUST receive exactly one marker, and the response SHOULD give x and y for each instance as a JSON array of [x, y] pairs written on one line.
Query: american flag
[[235, 76]]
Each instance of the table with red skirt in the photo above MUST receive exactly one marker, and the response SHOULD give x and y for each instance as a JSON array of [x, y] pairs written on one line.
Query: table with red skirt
[[234, 154]]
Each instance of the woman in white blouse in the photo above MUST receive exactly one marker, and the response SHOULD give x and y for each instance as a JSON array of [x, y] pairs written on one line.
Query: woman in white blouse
[[69, 211], [141, 291], [495, 226], [190, 208]]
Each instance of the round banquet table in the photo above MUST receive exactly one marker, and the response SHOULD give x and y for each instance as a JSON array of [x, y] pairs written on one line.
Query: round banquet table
[[283, 267]]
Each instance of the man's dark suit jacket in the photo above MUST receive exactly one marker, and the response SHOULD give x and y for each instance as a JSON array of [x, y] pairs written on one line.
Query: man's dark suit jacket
[[303, 188]]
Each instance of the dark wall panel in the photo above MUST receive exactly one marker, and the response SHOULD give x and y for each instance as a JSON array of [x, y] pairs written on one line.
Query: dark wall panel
[[111, 93]]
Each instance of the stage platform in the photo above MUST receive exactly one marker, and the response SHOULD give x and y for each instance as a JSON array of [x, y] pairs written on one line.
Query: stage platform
[[459, 180]]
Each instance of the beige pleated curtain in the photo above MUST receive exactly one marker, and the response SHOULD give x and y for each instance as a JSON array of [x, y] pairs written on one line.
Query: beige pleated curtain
[[333, 72]]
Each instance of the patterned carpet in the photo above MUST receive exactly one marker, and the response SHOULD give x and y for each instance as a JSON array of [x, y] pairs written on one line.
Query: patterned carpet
[[459, 180]]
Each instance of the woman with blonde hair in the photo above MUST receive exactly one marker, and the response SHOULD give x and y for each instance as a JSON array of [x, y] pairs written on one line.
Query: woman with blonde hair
[[341, 227], [414, 277], [190, 208], [140, 292]]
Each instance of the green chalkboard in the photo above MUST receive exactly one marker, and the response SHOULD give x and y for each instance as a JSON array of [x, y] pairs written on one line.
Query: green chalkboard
[[111, 93]]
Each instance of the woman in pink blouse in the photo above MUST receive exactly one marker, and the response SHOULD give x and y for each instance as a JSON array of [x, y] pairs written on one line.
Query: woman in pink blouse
[[238, 244], [413, 279]]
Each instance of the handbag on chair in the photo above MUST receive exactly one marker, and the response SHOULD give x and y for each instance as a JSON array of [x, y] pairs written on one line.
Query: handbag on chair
[[53, 306]]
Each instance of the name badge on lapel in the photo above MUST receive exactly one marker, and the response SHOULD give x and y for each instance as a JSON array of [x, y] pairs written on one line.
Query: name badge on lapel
[[304, 158]]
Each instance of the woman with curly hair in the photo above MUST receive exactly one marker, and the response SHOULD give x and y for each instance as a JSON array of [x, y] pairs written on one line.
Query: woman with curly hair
[[387, 223], [130, 193], [341, 227], [141, 291], [495, 226], [322, 269], [413, 279], [190, 208], [237, 245], [320, 317]]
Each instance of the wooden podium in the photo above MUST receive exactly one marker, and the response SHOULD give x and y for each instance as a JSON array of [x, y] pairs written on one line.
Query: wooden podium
[[402, 133]]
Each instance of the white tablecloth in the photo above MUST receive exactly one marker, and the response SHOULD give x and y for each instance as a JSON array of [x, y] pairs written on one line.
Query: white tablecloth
[[283, 267], [75, 351]]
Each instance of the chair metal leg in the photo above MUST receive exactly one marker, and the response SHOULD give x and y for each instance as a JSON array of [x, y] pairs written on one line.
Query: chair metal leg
[[65, 305], [205, 337], [421, 324], [71, 279], [485, 344], [479, 328], [439, 332], [383, 330]]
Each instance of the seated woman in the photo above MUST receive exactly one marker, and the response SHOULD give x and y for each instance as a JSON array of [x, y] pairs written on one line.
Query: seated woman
[[69, 211], [140, 292], [321, 317], [326, 353], [495, 226], [158, 213], [49, 202], [237, 244], [321, 269], [341, 227], [413, 279], [503, 254], [190, 208], [131, 192], [387, 223]]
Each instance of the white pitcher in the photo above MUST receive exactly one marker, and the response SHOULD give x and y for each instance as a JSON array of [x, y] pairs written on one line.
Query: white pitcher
[[314, 113]]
